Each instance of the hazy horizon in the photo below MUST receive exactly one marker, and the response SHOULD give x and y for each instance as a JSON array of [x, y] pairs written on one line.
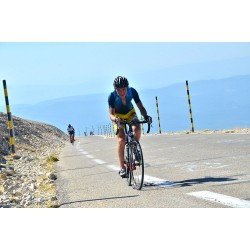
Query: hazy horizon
[[37, 72]]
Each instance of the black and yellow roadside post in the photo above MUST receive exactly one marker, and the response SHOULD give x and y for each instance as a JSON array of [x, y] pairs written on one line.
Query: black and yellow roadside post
[[157, 108], [10, 123], [190, 109]]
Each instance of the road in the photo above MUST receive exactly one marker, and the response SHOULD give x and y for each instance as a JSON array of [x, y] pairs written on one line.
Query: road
[[182, 171]]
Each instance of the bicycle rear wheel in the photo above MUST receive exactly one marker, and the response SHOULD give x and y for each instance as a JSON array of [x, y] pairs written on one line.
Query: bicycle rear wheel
[[137, 173]]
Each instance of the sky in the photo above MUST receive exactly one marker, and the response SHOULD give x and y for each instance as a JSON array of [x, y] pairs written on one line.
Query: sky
[[53, 49], [38, 71]]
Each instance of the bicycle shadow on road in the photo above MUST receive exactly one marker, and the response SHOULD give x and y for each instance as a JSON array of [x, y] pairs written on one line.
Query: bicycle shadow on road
[[188, 182], [99, 199], [191, 182]]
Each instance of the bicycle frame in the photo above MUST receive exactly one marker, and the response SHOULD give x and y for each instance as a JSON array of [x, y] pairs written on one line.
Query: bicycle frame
[[132, 146]]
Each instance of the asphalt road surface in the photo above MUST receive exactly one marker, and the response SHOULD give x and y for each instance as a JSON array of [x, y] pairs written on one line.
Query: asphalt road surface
[[181, 171]]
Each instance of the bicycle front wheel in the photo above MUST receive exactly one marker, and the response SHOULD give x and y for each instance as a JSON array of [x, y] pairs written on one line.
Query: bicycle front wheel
[[128, 164], [137, 169]]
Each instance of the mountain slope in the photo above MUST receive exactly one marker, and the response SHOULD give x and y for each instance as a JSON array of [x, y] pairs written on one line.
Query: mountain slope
[[216, 104]]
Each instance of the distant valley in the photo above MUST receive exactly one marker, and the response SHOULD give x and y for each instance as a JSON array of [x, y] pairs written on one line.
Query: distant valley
[[216, 104]]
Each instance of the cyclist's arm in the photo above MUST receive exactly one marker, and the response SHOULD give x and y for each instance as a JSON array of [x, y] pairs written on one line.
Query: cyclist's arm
[[111, 102], [139, 103], [142, 109], [112, 116]]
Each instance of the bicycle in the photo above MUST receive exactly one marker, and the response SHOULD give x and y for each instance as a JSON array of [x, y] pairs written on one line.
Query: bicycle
[[71, 138], [134, 162]]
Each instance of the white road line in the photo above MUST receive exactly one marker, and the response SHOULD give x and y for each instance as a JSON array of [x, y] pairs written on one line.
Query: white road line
[[148, 180], [84, 153], [99, 161], [157, 182], [113, 167], [222, 199], [81, 150], [78, 145], [90, 156]]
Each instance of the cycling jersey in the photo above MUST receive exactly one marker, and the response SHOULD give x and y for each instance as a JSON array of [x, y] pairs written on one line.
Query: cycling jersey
[[116, 102], [71, 130]]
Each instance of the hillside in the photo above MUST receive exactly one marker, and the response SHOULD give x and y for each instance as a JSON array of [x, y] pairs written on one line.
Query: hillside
[[26, 178], [216, 104]]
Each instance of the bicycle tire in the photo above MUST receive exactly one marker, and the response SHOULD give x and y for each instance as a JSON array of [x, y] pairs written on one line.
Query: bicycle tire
[[128, 164], [137, 173]]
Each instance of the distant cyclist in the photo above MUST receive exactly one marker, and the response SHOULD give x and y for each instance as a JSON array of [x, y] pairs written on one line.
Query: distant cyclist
[[71, 132], [120, 109]]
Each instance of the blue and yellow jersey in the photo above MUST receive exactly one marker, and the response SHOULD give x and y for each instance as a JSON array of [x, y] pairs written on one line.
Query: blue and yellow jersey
[[115, 101]]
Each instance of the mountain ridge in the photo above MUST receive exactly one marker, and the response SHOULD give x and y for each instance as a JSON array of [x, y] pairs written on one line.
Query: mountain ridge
[[216, 104]]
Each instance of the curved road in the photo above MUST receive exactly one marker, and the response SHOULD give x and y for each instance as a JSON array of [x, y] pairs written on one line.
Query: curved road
[[182, 171]]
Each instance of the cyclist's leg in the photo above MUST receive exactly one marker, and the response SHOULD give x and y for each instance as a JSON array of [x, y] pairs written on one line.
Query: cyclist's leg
[[121, 135], [121, 146], [137, 131], [136, 128]]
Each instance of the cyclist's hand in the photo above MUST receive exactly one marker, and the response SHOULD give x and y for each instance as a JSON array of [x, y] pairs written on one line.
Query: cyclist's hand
[[117, 120], [148, 119]]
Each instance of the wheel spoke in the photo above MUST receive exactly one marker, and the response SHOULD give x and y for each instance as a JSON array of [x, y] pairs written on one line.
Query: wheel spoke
[[138, 170]]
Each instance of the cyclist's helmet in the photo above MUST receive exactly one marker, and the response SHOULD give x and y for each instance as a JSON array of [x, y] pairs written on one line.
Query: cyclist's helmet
[[120, 82], [69, 126]]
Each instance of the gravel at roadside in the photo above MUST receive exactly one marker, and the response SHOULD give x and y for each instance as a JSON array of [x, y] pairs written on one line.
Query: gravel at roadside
[[27, 177]]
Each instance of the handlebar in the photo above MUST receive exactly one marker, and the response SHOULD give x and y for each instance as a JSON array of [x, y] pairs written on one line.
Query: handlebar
[[133, 122]]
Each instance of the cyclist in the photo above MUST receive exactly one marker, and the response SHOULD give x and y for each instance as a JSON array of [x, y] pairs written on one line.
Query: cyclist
[[71, 132], [120, 109]]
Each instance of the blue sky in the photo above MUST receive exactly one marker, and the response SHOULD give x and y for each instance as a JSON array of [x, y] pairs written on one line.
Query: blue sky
[[37, 71], [53, 49]]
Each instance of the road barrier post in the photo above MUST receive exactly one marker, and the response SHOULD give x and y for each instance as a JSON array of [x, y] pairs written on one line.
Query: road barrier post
[[157, 108], [190, 109], [10, 122]]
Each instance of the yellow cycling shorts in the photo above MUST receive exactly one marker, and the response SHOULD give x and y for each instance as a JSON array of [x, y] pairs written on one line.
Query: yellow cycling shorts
[[128, 117]]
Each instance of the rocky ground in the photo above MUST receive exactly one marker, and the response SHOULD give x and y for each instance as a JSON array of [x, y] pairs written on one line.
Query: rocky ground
[[27, 177]]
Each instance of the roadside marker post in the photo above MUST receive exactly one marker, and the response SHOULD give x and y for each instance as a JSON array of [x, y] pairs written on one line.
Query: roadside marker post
[[157, 108], [10, 122], [190, 109]]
